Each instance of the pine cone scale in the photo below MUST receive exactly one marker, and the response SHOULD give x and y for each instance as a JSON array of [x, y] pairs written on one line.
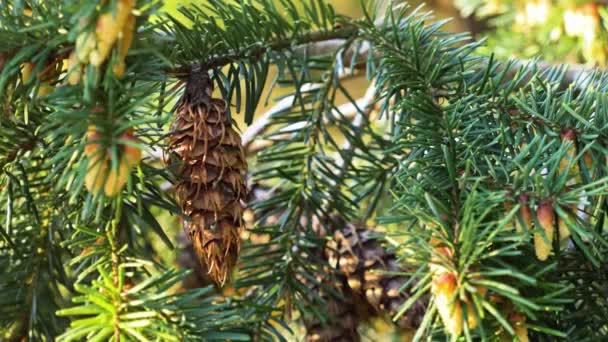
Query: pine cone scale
[[365, 263]]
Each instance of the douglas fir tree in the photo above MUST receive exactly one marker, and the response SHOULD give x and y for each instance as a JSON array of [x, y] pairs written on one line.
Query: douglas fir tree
[[458, 197]]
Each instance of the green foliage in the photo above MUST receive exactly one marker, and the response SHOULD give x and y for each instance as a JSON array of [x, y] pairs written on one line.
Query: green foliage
[[482, 142]]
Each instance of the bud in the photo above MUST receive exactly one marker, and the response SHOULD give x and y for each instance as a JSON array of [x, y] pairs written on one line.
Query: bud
[[45, 89], [117, 178], [119, 68], [131, 153], [74, 69], [471, 318], [567, 163], [521, 332], [126, 38], [543, 243], [26, 71], [97, 173], [519, 326], [481, 290], [85, 44], [448, 305], [563, 230], [125, 41], [93, 138], [100, 173], [525, 215], [109, 25], [588, 159], [439, 258], [508, 205]]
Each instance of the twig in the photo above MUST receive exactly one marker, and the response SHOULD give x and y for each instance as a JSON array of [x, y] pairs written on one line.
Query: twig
[[260, 124], [362, 110], [320, 37]]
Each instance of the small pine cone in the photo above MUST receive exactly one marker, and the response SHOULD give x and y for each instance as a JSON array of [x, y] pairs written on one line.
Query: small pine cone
[[371, 271], [211, 175], [344, 308]]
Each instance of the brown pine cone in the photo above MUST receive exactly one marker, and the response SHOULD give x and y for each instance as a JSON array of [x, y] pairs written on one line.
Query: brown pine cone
[[372, 272], [343, 309], [342, 328], [212, 174]]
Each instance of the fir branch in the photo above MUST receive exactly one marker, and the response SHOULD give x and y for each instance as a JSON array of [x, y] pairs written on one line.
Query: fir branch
[[575, 73], [258, 52]]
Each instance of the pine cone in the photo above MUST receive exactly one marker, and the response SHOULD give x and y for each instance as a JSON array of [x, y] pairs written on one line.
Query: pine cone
[[188, 259], [367, 267], [211, 175], [344, 316]]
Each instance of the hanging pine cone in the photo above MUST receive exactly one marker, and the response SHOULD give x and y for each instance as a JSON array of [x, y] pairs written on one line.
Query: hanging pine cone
[[372, 272], [211, 174]]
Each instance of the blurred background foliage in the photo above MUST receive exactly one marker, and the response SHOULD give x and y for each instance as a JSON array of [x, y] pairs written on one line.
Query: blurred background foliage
[[566, 31]]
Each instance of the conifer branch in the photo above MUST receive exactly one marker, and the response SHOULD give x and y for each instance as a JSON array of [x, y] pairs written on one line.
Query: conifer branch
[[340, 34], [323, 43]]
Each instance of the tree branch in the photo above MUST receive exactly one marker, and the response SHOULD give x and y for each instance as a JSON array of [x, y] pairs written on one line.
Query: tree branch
[[319, 37], [319, 46]]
